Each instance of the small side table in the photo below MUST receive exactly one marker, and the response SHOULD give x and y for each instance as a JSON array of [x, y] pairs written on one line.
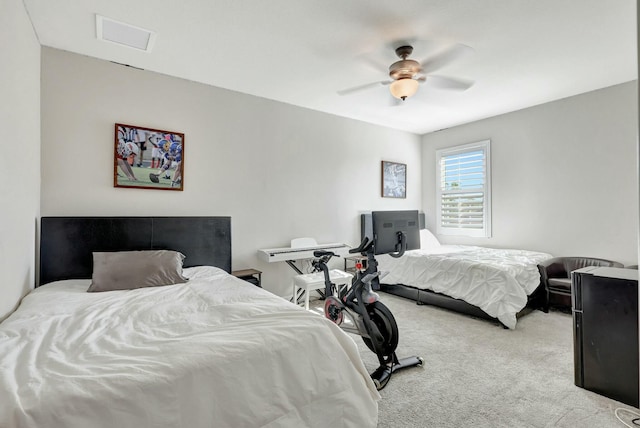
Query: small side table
[[253, 276], [358, 258]]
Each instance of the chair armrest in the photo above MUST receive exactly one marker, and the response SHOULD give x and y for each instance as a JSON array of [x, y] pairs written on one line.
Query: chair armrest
[[552, 268]]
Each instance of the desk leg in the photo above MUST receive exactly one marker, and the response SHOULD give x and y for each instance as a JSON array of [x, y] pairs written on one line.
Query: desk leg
[[294, 267]]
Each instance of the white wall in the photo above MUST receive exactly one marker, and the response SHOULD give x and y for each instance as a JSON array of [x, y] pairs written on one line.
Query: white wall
[[279, 171], [564, 175], [20, 124]]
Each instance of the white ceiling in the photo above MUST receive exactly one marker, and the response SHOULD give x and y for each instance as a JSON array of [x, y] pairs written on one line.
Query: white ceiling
[[301, 52]]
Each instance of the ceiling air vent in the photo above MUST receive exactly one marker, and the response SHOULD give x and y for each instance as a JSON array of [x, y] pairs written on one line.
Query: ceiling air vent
[[124, 34]]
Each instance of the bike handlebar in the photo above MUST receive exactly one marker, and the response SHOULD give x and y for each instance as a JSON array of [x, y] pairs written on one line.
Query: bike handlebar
[[363, 247]]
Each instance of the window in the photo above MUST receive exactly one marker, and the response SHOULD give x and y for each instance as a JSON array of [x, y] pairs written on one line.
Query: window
[[463, 190]]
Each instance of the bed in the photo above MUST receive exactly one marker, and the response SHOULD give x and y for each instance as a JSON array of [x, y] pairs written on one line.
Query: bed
[[496, 284], [212, 351]]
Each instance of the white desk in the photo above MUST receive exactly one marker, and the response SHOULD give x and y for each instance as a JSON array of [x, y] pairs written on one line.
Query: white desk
[[314, 281]]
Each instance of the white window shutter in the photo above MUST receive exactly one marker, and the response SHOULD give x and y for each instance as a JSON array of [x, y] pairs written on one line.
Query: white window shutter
[[463, 190]]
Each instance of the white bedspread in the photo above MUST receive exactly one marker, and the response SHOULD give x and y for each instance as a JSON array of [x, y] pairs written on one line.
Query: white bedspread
[[215, 352], [498, 281]]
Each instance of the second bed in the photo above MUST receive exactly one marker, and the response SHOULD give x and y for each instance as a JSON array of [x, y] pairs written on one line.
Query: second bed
[[485, 282]]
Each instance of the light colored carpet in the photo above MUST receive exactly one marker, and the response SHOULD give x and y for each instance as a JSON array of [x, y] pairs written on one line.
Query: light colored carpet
[[477, 374]]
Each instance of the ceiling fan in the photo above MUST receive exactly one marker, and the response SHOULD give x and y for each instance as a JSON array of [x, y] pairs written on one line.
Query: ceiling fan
[[407, 74]]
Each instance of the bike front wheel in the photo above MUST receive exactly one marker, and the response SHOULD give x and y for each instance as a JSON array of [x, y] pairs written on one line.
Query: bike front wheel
[[334, 309]]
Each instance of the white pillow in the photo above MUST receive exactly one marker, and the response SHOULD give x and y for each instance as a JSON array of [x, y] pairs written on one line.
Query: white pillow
[[428, 240], [203, 272]]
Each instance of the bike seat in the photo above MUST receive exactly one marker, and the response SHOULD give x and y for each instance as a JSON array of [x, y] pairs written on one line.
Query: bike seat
[[321, 253]]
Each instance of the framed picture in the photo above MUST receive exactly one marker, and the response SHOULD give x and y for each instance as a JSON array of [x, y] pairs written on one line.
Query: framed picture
[[394, 180], [147, 158]]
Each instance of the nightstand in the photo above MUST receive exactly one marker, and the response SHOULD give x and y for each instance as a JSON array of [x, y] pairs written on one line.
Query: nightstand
[[253, 276], [354, 260]]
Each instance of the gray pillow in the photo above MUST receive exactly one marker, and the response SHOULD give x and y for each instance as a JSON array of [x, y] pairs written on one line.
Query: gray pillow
[[125, 270]]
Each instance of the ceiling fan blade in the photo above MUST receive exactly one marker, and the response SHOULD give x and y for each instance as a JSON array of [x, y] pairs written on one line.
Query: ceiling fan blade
[[361, 87], [445, 57], [452, 83]]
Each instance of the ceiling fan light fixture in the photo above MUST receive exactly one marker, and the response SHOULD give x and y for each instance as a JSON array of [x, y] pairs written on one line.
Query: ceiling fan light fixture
[[404, 88]]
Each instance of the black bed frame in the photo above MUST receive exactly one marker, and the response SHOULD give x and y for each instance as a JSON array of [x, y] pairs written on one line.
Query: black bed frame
[[428, 297], [67, 243]]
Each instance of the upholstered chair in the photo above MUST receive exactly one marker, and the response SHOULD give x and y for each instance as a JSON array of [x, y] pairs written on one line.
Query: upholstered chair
[[555, 275]]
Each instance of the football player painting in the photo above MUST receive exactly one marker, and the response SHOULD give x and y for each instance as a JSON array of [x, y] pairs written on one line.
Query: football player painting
[[136, 149]]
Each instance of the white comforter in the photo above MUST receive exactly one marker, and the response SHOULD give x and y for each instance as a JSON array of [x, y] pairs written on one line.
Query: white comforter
[[215, 352], [498, 281]]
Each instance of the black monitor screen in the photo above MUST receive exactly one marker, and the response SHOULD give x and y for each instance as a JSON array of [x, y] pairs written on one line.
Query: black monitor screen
[[387, 224]]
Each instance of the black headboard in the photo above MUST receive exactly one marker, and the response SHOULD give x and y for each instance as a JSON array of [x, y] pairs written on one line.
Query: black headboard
[[366, 225], [67, 243]]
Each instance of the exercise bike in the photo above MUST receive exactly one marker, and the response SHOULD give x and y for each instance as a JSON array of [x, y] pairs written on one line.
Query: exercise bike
[[368, 317]]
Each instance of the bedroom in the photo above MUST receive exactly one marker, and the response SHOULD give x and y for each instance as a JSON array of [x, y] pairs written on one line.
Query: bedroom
[[247, 156]]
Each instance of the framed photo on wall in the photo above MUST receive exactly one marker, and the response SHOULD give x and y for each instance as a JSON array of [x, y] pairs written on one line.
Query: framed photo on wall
[[394, 180], [147, 158]]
